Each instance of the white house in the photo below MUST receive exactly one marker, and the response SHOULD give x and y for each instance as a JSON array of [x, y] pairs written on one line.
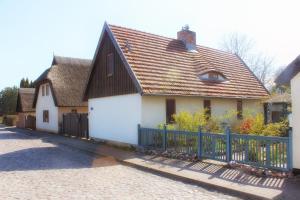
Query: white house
[[59, 90], [142, 78], [291, 77]]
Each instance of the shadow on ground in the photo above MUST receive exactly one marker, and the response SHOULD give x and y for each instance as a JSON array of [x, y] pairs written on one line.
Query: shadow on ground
[[221, 172]]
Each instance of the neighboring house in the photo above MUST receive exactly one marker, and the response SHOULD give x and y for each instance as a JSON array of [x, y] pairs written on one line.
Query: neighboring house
[[291, 77], [142, 78], [277, 107], [25, 109], [59, 90]]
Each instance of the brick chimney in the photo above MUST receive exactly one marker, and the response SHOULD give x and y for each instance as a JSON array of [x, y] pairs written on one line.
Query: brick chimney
[[188, 38]]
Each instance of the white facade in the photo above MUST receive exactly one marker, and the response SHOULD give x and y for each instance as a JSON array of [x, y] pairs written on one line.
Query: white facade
[[154, 107], [295, 89], [46, 102], [115, 118]]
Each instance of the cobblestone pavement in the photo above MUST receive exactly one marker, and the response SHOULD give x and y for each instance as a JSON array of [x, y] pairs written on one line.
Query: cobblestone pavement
[[33, 169]]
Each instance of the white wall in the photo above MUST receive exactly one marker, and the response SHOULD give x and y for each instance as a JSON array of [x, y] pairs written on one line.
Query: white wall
[[154, 107], [115, 118], [295, 89], [46, 103]]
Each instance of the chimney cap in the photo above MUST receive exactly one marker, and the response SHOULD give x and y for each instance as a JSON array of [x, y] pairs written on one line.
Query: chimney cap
[[186, 27]]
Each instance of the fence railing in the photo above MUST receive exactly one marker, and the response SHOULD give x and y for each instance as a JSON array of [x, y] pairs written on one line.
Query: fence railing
[[260, 151]]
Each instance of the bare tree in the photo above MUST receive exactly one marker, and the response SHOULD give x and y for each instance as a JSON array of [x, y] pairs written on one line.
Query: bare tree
[[260, 64]]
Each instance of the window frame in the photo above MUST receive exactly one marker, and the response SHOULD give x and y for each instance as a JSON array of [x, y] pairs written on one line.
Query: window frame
[[170, 111], [110, 65], [45, 116]]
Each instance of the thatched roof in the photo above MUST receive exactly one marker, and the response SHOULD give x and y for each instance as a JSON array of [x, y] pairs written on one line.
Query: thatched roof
[[25, 100], [67, 78], [289, 72]]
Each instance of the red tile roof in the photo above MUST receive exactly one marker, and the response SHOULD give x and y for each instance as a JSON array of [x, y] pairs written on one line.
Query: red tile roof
[[164, 67]]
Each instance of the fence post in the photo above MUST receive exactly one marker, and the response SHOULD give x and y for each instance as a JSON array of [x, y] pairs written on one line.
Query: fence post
[[228, 144], [268, 154], [290, 150], [247, 149], [165, 138], [139, 135], [199, 143]]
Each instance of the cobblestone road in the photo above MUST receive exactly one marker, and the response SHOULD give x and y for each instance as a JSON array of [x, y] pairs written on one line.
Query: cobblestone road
[[33, 169]]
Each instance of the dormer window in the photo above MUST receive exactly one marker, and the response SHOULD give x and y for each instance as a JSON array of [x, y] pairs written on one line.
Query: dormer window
[[213, 76]]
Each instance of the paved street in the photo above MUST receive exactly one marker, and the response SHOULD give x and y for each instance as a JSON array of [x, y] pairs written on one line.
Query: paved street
[[33, 169]]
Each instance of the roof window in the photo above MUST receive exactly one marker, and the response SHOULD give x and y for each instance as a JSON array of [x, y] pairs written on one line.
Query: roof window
[[213, 76]]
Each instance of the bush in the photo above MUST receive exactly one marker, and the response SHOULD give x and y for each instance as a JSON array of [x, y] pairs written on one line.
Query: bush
[[251, 124], [186, 121], [9, 120], [276, 129], [168, 126], [258, 124]]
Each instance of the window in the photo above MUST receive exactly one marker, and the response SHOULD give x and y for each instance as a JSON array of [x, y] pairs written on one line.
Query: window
[[239, 108], [110, 64], [170, 110], [46, 116], [47, 90], [207, 108], [74, 111], [43, 90], [212, 76]]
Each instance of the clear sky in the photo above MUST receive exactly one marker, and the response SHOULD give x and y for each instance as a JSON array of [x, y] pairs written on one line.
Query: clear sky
[[32, 30]]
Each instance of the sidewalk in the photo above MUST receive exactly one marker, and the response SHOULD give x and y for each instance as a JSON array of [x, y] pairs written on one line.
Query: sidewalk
[[206, 174]]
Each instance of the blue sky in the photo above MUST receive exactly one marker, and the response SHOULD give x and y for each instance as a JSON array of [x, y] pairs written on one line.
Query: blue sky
[[32, 30]]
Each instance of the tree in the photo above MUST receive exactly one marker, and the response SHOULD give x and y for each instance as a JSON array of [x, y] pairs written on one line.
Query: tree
[[260, 64], [8, 100], [25, 83], [22, 83]]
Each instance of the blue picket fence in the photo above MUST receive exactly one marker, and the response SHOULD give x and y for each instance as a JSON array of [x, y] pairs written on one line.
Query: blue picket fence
[[260, 151]]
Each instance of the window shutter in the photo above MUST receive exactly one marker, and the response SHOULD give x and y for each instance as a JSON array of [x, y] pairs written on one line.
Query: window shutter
[[207, 107], [110, 64], [239, 107], [170, 110]]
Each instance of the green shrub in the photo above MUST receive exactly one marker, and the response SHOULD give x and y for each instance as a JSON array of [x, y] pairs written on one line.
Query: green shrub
[[186, 121], [213, 126], [251, 124], [168, 126], [9, 120], [276, 129], [258, 124]]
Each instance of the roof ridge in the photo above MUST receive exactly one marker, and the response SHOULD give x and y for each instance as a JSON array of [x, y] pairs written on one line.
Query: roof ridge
[[170, 38], [72, 58]]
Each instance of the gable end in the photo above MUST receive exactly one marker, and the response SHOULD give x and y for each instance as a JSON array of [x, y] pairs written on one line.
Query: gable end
[[122, 81]]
